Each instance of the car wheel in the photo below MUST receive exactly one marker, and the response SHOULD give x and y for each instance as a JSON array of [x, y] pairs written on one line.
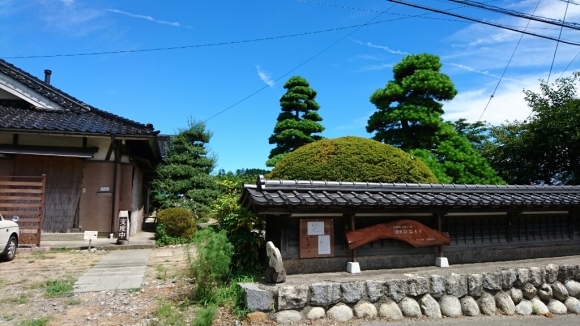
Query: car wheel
[[10, 250]]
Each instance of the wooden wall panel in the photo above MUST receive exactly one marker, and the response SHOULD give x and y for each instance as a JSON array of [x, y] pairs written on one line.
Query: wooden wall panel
[[95, 209], [6, 167], [63, 187]]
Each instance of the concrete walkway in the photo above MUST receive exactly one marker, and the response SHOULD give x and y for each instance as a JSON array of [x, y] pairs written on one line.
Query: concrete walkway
[[117, 270], [141, 240]]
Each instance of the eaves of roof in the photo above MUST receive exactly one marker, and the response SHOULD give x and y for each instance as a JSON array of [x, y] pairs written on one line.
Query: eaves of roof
[[292, 194]]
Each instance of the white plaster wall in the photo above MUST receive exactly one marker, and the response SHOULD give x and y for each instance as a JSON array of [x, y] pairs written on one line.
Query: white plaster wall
[[44, 140], [16, 88], [103, 145]]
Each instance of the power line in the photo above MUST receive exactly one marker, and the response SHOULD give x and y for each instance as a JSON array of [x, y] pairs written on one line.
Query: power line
[[514, 13], [556, 50], [508, 64], [298, 66], [569, 64], [406, 15], [200, 45], [484, 22], [316, 55], [571, 2]]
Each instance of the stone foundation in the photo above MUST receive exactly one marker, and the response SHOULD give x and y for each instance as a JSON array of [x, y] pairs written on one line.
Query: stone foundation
[[552, 289]]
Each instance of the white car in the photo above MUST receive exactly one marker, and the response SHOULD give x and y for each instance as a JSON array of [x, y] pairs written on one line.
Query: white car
[[9, 232]]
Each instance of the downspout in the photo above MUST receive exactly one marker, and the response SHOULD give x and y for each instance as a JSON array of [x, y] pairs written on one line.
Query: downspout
[[114, 194]]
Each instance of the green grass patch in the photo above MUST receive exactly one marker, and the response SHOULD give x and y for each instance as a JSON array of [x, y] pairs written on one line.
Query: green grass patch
[[204, 316], [34, 322], [73, 302], [169, 315], [161, 272], [60, 288]]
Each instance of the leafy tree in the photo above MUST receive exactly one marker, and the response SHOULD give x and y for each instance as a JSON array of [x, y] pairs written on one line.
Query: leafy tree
[[244, 229], [546, 148], [508, 153], [477, 133], [408, 116], [184, 177], [409, 107], [298, 120]]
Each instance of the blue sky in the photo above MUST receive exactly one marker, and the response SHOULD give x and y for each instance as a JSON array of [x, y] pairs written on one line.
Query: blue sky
[[237, 85]]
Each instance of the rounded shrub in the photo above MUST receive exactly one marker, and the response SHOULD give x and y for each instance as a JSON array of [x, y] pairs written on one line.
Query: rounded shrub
[[352, 159], [178, 221]]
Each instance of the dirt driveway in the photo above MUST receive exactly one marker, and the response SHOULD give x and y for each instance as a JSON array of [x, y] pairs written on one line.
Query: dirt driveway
[[38, 287]]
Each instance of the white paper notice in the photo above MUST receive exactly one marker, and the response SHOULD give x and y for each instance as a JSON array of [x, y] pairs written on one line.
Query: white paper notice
[[324, 245], [315, 228]]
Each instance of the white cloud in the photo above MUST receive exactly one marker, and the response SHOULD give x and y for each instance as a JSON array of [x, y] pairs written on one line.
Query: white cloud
[[507, 104], [149, 18], [382, 47], [472, 70], [265, 76], [71, 17]]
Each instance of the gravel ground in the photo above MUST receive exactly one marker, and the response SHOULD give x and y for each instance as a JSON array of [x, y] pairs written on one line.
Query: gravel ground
[[24, 296]]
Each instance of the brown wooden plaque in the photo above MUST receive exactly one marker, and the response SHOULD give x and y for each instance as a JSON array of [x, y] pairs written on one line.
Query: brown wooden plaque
[[316, 238], [412, 232]]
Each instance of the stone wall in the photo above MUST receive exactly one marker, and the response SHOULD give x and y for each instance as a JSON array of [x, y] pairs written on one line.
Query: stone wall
[[550, 290]]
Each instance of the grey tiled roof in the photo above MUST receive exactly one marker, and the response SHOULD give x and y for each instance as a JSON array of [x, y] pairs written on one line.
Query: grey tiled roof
[[307, 193], [76, 116], [20, 115]]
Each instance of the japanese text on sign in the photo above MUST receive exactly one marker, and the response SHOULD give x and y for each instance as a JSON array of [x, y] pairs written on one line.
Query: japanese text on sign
[[315, 228]]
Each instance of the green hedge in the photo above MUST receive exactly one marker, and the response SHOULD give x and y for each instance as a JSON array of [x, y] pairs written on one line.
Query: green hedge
[[352, 159]]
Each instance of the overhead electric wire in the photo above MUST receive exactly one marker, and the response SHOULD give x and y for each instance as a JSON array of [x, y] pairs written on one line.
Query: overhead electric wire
[[508, 64], [574, 59], [298, 66], [571, 2], [514, 13], [316, 55], [404, 16], [201, 45], [483, 22], [556, 50], [400, 14]]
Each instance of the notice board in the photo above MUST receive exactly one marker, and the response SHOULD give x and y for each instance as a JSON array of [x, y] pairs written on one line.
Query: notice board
[[316, 238]]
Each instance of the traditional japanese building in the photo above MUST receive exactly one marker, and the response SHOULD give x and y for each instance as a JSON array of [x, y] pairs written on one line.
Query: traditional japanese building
[[96, 163], [311, 222]]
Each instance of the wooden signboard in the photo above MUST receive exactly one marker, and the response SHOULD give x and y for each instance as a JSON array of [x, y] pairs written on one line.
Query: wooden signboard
[[316, 238], [412, 232]]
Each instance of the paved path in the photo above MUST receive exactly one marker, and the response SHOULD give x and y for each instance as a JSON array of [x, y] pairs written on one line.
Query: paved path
[[117, 270]]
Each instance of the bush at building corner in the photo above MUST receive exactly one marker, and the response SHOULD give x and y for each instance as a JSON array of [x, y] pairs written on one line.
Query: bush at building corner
[[175, 225]]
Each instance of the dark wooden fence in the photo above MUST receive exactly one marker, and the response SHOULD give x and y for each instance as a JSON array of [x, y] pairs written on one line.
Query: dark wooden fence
[[24, 197], [468, 233]]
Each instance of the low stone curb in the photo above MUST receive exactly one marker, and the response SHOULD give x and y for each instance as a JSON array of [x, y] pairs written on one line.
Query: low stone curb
[[514, 291]]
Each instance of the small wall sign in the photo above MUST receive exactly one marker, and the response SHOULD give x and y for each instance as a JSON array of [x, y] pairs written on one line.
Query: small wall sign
[[315, 228], [90, 235], [104, 189], [316, 238]]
